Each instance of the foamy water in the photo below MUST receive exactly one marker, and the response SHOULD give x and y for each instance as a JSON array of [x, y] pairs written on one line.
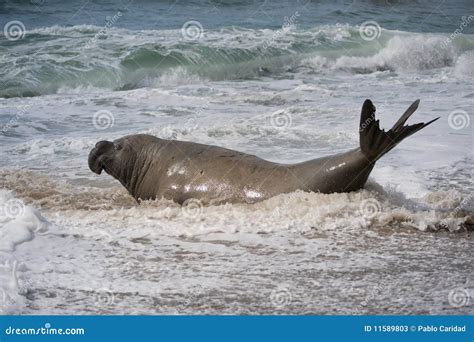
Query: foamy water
[[73, 242]]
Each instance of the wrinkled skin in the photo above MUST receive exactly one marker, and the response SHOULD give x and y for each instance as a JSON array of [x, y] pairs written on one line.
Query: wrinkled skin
[[152, 168]]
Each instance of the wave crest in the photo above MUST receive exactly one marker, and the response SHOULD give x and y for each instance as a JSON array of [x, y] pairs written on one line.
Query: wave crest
[[401, 54], [124, 59]]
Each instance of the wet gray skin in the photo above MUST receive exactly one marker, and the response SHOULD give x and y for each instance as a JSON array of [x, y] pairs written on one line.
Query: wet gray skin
[[153, 168]]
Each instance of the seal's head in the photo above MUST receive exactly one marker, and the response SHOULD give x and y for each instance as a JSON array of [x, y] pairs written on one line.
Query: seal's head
[[120, 158], [101, 155]]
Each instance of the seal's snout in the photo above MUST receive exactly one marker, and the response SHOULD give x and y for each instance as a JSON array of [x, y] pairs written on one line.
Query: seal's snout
[[96, 162], [103, 144]]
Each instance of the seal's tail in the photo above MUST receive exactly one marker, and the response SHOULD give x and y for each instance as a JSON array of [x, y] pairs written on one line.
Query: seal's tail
[[375, 142]]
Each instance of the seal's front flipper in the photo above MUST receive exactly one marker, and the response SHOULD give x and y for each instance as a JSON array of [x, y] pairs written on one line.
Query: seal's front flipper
[[375, 142]]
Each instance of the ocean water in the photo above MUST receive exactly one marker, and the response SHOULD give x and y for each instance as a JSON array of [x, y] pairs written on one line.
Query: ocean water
[[284, 80]]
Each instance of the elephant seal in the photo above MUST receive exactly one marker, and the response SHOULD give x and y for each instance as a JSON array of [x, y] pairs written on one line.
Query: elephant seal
[[152, 168]]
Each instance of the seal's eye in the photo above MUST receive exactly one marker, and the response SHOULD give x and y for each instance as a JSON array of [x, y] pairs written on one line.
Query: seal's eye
[[117, 146]]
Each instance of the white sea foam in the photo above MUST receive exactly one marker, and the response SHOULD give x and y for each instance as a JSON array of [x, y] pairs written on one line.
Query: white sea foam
[[404, 53], [19, 223], [464, 67], [298, 211], [135, 59]]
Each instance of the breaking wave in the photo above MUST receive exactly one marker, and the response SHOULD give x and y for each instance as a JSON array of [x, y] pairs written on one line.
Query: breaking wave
[[76, 57]]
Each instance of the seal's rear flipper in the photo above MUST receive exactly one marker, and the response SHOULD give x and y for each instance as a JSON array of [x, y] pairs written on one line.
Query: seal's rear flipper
[[375, 142]]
